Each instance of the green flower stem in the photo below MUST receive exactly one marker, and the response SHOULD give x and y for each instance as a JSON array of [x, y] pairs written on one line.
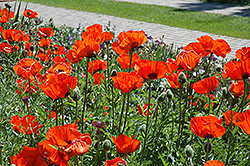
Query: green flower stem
[[146, 132], [155, 124], [97, 149], [76, 161], [27, 105], [29, 88], [85, 96], [62, 112], [31, 140], [76, 112], [209, 102], [56, 112], [172, 129], [243, 97], [180, 117], [112, 108], [123, 104], [210, 59], [126, 113], [130, 55], [207, 150]]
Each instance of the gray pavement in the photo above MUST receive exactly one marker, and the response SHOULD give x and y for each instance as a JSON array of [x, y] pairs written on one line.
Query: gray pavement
[[179, 36]]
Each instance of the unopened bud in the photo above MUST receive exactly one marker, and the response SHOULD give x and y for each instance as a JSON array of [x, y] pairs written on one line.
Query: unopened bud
[[207, 147], [76, 95], [162, 97], [107, 145], [25, 99], [226, 92], [169, 94], [182, 78], [114, 73], [189, 151]]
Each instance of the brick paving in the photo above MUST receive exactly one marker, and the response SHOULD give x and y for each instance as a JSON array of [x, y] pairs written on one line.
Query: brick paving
[[179, 36]]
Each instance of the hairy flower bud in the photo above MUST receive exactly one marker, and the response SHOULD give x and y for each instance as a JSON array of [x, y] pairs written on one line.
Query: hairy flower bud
[[182, 78], [107, 145], [169, 94], [189, 151]]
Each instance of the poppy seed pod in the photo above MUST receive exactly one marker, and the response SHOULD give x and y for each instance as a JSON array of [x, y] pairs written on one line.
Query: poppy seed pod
[[162, 97], [189, 151], [182, 78], [226, 92], [209, 147], [114, 73], [169, 94], [107, 145]]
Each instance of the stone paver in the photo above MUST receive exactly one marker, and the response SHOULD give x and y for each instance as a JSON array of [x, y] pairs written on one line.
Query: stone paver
[[179, 36]]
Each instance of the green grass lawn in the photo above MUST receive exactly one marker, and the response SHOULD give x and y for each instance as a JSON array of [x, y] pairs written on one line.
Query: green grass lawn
[[194, 20]]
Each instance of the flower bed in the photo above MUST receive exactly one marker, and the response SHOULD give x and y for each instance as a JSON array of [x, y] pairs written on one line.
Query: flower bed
[[86, 97]]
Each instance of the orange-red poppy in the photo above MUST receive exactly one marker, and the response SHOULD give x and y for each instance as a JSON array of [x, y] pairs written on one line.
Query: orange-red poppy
[[81, 49], [125, 144], [58, 50], [1, 68], [43, 56], [23, 86], [45, 32], [25, 125], [171, 65], [28, 156], [52, 115], [106, 37], [58, 85], [124, 60], [30, 14], [237, 88], [93, 31], [243, 53], [172, 79], [98, 65], [145, 110], [117, 49], [197, 47], [214, 163], [115, 162], [207, 126], [6, 15], [59, 59], [45, 43], [244, 121], [149, 69], [27, 68], [60, 67], [6, 47], [188, 60], [15, 35], [127, 82], [238, 70], [227, 116], [1, 29], [98, 78], [206, 85], [219, 46]]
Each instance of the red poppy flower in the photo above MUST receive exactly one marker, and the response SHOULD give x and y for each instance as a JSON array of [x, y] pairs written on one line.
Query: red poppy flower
[[81, 49], [15, 35], [6, 15], [6, 48], [207, 126], [197, 47], [214, 163], [58, 50], [227, 116], [106, 36], [237, 88], [117, 49], [205, 85], [60, 67], [149, 69], [243, 53], [238, 70], [145, 109], [30, 14], [1, 68], [25, 125], [52, 115], [43, 56], [219, 47], [125, 144], [172, 79], [23, 86], [188, 60], [115, 162], [28, 156], [58, 85], [98, 78], [27, 68], [124, 60], [1, 29], [127, 82], [171, 65], [98, 65], [59, 59], [244, 121], [94, 32], [45, 32], [45, 43]]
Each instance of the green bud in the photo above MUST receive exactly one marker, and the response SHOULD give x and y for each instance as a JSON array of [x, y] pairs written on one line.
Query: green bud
[[76, 95], [189, 151], [169, 94], [107, 145], [209, 146], [182, 78], [114, 73], [226, 93], [96, 145], [162, 97], [170, 158]]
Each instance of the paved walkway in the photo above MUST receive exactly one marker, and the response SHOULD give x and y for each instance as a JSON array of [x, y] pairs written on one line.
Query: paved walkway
[[179, 36]]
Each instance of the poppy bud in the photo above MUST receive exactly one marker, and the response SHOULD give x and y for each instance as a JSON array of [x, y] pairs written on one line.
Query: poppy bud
[[142, 128], [169, 94], [209, 147], [76, 95], [32, 48], [7, 6], [162, 97], [189, 151], [182, 78], [226, 93], [114, 73], [96, 144], [107, 145], [170, 158], [25, 99]]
